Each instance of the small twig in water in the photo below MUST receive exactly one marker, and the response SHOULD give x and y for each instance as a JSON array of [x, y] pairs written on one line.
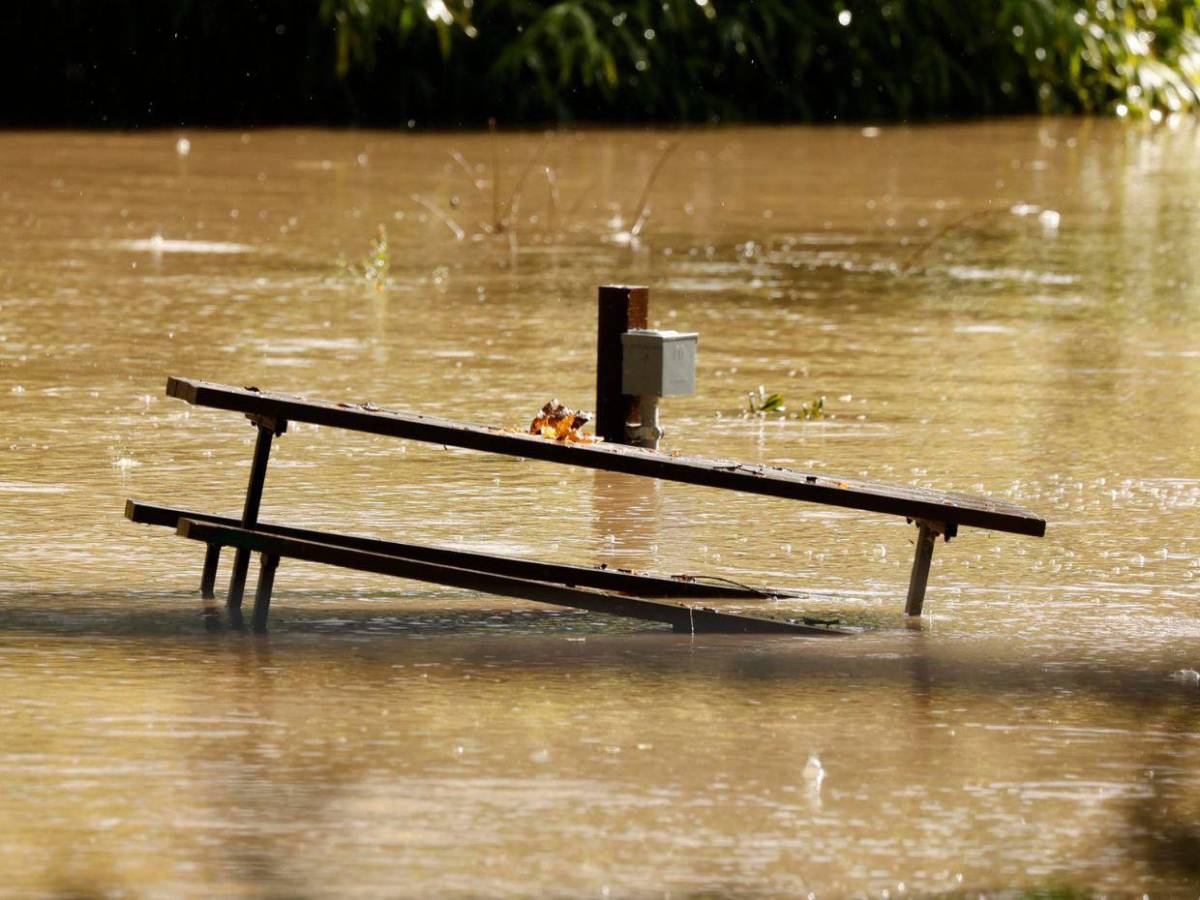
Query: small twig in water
[[511, 233], [495, 173], [454, 227], [720, 579], [942, 232], [552, 199], [639, 220], [584, 195], [477, 183], [509, 208]]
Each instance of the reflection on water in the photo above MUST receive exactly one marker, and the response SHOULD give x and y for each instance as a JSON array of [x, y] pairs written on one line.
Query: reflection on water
[[392, 738]]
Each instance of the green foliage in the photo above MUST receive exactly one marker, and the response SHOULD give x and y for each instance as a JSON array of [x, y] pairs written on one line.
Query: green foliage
[[734, 59], [761, 404], [359, 25], [1123, 56], [460, 62], [373, 269]]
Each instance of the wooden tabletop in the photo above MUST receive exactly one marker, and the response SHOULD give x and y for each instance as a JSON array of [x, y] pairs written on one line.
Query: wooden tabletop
[[850, 493]]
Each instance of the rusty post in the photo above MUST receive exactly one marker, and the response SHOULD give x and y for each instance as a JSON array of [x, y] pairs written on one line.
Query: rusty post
[[267, 564], [927, 533], [267, 429], [208, 578], [622, 308]]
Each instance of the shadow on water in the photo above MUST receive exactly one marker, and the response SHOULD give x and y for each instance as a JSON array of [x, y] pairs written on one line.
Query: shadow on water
[[1165, 827], [321, 624], [421, 742], [473, 656]]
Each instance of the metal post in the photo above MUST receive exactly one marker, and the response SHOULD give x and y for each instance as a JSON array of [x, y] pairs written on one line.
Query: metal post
[[208, 578], [258, 475], [622, 308], [927, 533], [267, 564], [648, 433]]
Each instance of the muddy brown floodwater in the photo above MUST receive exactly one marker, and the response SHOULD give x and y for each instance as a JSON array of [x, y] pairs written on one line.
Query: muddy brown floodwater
[[1006, 308]]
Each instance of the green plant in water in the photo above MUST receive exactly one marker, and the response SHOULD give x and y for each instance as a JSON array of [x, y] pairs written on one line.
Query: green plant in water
[[372, 270], [761, 404]]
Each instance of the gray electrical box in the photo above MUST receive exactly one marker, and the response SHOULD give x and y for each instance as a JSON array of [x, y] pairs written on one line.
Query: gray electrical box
[[658, 363]]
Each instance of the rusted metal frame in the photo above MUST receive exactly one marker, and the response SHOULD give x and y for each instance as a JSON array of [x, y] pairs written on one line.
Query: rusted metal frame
[[848, 493], [927, 535], [269, 426], [622, 308], [268, 563], [208, 577], [643, 585], [681, 618]]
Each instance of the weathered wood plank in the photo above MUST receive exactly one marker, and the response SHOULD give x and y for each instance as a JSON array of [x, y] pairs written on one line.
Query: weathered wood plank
[[679, 617], [850, 493], [643, 585]]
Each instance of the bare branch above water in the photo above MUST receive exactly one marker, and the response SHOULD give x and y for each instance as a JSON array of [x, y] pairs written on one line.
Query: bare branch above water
[[639, 220]]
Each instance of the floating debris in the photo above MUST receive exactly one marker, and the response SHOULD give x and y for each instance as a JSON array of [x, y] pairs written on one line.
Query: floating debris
[[1050, 219], [158, 244], [561, 423], [29, 487], [813, 772]]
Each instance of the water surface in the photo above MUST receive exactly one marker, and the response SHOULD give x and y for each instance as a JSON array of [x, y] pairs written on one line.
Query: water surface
[[1005, 308]]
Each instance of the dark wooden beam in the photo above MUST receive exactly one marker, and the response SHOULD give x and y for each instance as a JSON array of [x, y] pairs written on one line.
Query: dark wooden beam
[[927, 534], [560, 573], [681, 618], [953, 509], [254, 489], [268, 563], [208, 577]]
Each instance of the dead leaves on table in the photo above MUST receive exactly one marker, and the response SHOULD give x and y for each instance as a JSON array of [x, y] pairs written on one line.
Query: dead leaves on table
[[557, 422]]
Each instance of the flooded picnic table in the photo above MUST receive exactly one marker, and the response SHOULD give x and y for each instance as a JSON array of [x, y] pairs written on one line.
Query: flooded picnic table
[[1003, 308]]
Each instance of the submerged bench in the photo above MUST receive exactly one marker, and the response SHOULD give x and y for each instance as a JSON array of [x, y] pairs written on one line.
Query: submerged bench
[[598, 589]]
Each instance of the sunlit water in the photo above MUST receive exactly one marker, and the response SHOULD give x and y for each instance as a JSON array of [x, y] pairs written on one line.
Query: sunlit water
[[1011, 309]]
